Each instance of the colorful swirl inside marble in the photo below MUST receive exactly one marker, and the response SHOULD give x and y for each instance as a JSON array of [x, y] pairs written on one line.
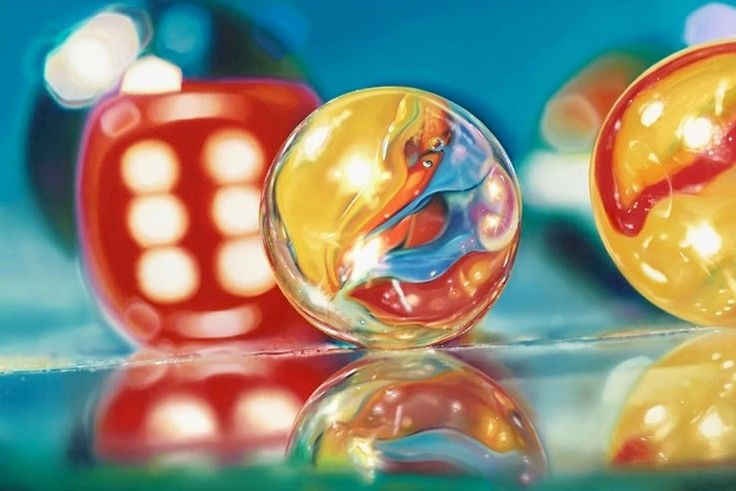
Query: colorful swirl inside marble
[[392, 218]]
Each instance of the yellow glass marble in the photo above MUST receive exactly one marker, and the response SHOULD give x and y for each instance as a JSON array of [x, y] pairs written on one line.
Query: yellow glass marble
[[391, 218], [682, 412], [662, 184]]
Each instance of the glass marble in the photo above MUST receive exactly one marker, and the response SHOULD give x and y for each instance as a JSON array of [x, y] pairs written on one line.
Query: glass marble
[[168, 193], [682, 411], [391, 218], [662, 180], [416, 413]]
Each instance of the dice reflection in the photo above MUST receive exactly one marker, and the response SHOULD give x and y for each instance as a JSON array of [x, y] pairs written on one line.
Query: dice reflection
[[224, 410]]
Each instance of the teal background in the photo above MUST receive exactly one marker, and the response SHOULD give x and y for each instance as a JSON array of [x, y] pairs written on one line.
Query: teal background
[[502, 60]]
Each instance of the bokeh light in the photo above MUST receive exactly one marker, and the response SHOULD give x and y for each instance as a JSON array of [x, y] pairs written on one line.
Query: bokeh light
[[90, 61], [710, 22]]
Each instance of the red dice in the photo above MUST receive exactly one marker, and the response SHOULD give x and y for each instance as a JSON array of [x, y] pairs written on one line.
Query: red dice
[[222, 409], [168, 195]]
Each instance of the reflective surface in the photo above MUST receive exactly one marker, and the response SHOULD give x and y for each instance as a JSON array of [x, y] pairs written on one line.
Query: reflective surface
[[392, 218], [416, 413], [682, 412], [662, 184], [168, 197], [223, 411], [416, 420]]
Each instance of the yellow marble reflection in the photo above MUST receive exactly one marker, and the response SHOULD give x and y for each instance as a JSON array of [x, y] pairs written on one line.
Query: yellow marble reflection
[[682, 412]]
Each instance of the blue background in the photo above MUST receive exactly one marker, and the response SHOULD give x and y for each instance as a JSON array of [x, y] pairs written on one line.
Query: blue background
[[502, 60]]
